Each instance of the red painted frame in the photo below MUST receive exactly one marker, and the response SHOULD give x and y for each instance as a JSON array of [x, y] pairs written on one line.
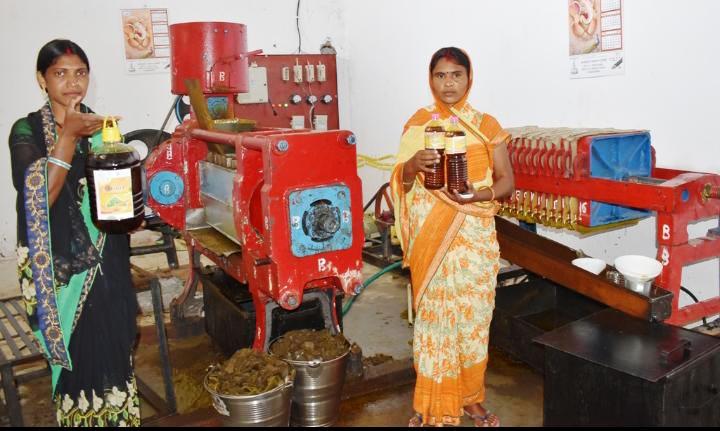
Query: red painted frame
[[678, 197]]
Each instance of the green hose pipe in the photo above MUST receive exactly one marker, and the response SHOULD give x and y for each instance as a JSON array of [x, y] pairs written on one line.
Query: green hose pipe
[[367, 282]]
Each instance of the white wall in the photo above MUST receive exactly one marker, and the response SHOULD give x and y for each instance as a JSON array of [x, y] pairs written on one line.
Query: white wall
[[142, 100], [520, 56], [519, 51]]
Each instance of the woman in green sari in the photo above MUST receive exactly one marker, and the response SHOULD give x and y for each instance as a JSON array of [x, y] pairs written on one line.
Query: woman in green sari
[[75, 280]]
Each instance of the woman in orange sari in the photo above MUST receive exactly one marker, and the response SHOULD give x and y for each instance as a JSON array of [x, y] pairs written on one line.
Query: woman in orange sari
[[449, 243]]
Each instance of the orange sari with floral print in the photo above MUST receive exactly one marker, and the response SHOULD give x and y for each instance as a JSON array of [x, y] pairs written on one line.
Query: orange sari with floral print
[[453, 256]]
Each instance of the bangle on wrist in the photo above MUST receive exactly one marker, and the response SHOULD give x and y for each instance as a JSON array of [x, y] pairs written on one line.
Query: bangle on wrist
[[60, 163], [402, 176], [492, 192]]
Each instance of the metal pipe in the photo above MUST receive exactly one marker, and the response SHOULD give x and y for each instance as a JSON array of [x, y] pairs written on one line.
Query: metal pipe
[[214, 137], [149, 249], [170, 399]]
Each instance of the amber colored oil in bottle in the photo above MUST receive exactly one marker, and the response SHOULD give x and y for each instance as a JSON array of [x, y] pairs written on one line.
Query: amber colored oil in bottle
[[435, 140], [456, 157], [114, 177]]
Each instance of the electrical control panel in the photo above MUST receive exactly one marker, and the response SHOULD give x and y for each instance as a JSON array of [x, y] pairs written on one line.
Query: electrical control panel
[[291, 91]]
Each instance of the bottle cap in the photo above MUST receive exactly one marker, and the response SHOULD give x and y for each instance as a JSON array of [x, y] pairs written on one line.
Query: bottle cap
[[110, 131]]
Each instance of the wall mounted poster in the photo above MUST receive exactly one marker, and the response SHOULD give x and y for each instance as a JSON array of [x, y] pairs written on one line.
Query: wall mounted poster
[[146, 40], [596, 38]]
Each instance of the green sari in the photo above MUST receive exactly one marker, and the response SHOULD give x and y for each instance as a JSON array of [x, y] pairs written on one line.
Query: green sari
[[77, 312]]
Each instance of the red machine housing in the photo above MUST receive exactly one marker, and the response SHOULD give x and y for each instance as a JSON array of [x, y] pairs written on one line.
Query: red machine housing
[[271, 165], [215, 53], [277, 209]]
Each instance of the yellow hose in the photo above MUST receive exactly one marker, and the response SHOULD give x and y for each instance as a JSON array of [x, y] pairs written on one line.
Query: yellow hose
[[383, 163]]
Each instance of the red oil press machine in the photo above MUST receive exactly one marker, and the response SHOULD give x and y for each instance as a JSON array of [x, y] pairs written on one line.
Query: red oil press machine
[[277, 209]]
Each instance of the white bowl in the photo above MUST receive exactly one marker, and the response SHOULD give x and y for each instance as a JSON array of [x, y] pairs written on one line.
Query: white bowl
[[638, 268], [590, 264]]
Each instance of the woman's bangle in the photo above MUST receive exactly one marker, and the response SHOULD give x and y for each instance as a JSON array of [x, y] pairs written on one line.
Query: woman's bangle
[[492, 192], [58, 162]]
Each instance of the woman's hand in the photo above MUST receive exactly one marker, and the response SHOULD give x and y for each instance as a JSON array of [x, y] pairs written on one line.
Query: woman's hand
[[422, 161], [78, 124], [471, 195]]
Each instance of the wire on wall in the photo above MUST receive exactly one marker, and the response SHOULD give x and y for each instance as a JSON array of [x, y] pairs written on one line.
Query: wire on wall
[[297, 23]]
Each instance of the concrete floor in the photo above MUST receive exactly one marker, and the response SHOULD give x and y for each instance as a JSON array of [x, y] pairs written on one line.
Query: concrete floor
[[376, 321], [514, 394]]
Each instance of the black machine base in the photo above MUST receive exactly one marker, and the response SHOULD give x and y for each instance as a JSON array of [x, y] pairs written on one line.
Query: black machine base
[[603, 367], [532, 307], [230, 312], [612, 369]]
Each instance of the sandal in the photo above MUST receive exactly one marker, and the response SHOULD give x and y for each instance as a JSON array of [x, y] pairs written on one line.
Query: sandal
[[416, 420], [487, 419]]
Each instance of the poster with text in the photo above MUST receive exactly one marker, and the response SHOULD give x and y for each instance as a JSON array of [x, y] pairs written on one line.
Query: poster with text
[[596, 38], [146, 40]]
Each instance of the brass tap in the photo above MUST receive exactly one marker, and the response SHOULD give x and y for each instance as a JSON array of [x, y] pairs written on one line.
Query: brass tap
[[565, 212], [710, 192], [548, 215], [574, 214], [527, 205]]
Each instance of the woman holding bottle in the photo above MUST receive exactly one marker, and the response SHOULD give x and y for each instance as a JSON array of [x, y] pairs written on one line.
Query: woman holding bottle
[[449, 243], [75, 280]]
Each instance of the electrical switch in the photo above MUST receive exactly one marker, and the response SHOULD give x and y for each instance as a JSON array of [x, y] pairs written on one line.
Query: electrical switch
[[321, 122], [312, 99], [310, 72], [295, 99], [326, 99], [298, 122], [297, 73], [321, 73], [286, 74]]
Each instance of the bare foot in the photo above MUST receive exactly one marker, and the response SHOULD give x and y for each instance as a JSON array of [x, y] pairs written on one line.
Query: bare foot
[[481, 416], [416, 421]]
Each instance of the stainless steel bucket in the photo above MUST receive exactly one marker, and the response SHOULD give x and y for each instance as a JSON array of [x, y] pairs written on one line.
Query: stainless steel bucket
[[269, 409], [317, 392]]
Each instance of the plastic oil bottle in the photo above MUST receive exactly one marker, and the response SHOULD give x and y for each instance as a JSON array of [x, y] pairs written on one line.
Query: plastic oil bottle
[[456, 157], [114, 176], [435, 140]]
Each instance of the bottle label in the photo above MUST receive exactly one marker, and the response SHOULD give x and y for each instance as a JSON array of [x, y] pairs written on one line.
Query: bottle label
[[455, 145], [113, 194], [434, 140]]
